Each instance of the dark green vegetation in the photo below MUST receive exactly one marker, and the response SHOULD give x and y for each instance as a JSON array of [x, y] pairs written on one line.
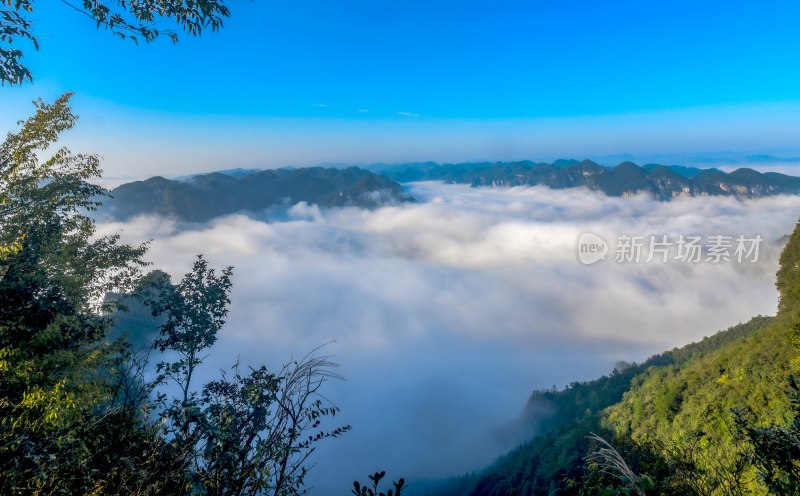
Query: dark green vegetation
[[776, 448], [663, 182], [721, 416], [82, 413], [204, 197], [372, 489], [132, 319], [135, 20]]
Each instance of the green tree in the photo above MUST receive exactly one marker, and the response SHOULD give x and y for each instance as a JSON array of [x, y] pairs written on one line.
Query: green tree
[[251, 433], [56, 369], [77, 415], [137, 20], [776, 448]]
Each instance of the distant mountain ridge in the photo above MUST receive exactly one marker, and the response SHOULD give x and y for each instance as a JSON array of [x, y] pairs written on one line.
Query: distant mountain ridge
[[202, 197], [627, 178], [704, 159]]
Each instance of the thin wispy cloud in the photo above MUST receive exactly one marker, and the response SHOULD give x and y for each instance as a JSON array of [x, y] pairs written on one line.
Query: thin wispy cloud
[[363, 110], [321, 105], [408, 114]]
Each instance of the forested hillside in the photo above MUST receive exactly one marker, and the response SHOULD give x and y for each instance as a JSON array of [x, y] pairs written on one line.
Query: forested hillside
[[684, 421]]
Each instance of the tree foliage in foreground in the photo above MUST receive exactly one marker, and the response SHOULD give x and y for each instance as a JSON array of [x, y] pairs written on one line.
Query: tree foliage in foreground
[[55, 368], [137, 20], [776, 448], [80, 413], [372, 488]]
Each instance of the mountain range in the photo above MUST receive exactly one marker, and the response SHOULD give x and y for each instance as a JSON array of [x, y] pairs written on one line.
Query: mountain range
[[663, 182], [203, 197], [199, 198]]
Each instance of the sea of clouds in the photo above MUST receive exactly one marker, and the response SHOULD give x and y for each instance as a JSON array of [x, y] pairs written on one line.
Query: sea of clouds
[[446, 313]]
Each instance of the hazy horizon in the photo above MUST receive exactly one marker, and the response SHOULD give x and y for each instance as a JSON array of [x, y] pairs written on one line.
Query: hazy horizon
[[306, 82], [781, 161]]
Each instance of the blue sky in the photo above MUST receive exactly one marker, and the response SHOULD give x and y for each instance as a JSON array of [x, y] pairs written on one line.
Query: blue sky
[[310, 81]]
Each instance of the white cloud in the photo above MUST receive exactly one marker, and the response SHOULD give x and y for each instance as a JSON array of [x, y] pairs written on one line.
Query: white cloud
[[448, 312], [408, 114]]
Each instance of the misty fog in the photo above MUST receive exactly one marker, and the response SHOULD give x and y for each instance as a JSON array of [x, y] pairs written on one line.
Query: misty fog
[[448, 312]]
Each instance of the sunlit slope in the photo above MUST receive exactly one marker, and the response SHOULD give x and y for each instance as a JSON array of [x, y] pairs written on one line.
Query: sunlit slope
[[684, 411], [670, 417]]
